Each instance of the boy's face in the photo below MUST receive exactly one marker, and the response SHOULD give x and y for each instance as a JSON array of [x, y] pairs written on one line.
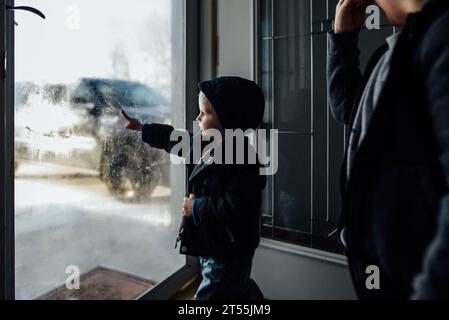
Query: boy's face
[[207, 118]]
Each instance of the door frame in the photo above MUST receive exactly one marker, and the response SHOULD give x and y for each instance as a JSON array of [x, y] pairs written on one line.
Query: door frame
[[7, 151], [191, 23]]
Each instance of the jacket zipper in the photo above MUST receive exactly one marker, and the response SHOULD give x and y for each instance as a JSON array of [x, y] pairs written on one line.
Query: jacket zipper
[[179, 237]]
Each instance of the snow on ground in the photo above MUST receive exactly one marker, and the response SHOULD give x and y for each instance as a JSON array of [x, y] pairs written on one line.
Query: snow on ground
[[61, 222]]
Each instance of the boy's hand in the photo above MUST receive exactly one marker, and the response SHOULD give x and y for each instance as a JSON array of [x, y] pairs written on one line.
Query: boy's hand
[[131, 123], [350, 15], [187, 207]]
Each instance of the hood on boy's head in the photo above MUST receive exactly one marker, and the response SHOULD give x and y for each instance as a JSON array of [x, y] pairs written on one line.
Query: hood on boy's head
[[239, 103]]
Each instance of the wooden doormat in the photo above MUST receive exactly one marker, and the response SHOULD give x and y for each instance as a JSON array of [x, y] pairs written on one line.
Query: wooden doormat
[[103, 284]]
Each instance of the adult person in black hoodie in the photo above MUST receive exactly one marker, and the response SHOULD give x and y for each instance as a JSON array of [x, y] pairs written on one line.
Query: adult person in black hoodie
[[395, 176], [222, 212]]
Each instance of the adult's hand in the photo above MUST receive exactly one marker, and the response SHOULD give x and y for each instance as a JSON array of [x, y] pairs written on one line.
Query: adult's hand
[[350, 15]]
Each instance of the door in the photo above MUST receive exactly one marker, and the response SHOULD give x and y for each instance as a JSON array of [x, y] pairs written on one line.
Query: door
[[94, 212]]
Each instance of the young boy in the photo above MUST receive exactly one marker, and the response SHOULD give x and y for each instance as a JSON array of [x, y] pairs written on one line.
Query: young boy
[[221, 216]]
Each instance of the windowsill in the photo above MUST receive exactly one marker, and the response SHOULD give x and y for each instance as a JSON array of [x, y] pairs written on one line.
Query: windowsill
[[304, 251], [168, 288], [187, 292]]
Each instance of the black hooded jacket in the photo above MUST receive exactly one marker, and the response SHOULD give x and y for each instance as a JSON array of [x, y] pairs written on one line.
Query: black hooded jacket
[[229, 215], [396, 200]]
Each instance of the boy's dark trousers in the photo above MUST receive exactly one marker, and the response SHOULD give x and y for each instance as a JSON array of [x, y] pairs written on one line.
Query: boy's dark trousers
[[227, 279]]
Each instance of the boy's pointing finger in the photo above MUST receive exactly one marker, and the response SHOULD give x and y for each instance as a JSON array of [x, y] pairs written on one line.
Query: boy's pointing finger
[[124, 115]]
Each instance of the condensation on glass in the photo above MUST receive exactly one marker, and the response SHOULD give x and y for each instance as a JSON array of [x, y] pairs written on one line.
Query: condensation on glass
[[91, 199]]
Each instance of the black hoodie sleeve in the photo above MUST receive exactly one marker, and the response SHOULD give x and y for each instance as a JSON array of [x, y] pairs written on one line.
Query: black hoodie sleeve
[[158, 136]]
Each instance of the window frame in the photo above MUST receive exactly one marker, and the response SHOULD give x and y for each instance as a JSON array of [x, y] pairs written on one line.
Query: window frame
[[7, 283], [324, 249], [321, 21]]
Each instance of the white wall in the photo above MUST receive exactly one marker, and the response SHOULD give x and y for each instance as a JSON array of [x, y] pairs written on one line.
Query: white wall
[[282, 271], [235, 38], [289, 272]]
